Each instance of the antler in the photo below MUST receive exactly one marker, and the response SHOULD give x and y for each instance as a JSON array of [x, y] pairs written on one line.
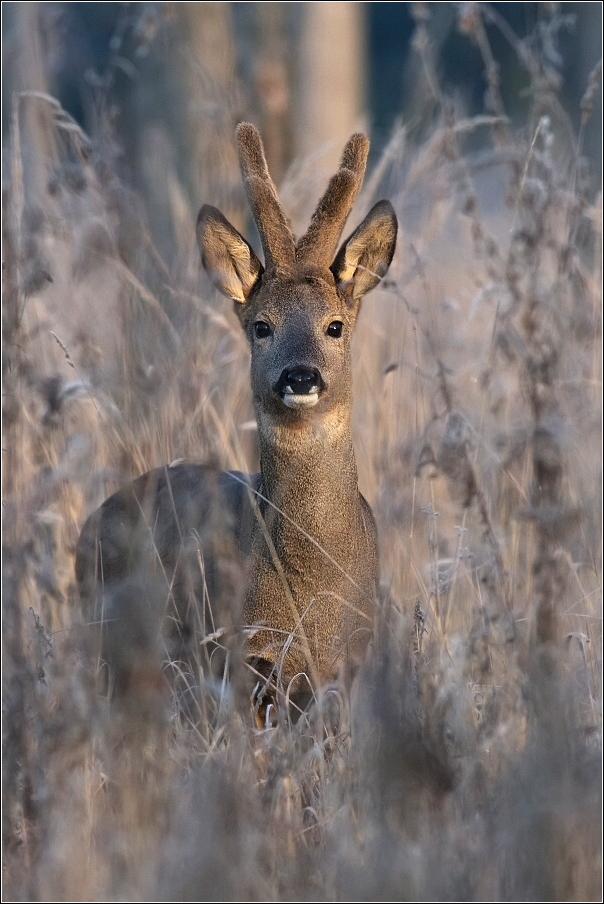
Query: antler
[[275, 233], [318, 245]]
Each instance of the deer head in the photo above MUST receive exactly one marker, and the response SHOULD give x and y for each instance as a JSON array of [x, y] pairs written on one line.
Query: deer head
[[299, 309]]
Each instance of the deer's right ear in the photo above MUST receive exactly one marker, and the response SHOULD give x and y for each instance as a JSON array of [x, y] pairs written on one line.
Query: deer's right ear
[[228, 259], [365, 256]]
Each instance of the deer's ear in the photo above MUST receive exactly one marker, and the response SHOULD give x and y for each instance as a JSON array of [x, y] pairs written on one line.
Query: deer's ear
[[228, 259], [364, 258]]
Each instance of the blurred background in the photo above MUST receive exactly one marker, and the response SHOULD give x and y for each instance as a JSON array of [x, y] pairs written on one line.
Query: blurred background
[[169, 81], [477, 388]]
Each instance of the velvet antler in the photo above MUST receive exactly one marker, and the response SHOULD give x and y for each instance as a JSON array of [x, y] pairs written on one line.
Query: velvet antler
[[318, 245], [275, 233]]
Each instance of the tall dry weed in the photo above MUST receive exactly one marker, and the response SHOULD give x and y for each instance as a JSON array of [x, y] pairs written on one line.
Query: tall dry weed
[[465, 763]]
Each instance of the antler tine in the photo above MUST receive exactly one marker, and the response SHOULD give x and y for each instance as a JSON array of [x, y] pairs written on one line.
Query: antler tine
[[275, 233], [318, 245]]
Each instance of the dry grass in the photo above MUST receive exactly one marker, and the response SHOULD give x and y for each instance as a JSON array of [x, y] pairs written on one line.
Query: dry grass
[[465, 765]]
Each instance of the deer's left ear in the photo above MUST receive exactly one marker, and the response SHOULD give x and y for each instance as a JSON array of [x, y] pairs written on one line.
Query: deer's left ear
[[364, 258], [228, 259]]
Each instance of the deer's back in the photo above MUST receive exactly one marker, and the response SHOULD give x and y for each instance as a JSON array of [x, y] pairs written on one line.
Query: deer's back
[[164, 560], [157, 513]]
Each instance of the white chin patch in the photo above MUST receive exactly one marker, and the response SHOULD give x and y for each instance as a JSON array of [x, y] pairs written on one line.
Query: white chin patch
[[293, 400]]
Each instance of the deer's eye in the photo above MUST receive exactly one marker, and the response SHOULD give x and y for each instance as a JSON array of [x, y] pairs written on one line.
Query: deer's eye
[[262, 329], [335, 329]]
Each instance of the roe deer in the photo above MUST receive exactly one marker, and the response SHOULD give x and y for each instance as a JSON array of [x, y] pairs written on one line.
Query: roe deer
[[298, 537]]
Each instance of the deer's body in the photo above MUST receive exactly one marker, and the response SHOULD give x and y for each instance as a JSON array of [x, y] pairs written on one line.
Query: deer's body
[[299, 537]]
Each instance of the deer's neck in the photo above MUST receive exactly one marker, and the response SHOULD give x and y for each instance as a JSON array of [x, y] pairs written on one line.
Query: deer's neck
[[311, 476]]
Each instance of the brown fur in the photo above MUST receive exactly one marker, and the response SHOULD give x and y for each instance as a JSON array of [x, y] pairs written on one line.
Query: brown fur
[[300, 531]]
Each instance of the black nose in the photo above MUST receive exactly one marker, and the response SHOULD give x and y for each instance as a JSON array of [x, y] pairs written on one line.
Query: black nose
[[300, 380]]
